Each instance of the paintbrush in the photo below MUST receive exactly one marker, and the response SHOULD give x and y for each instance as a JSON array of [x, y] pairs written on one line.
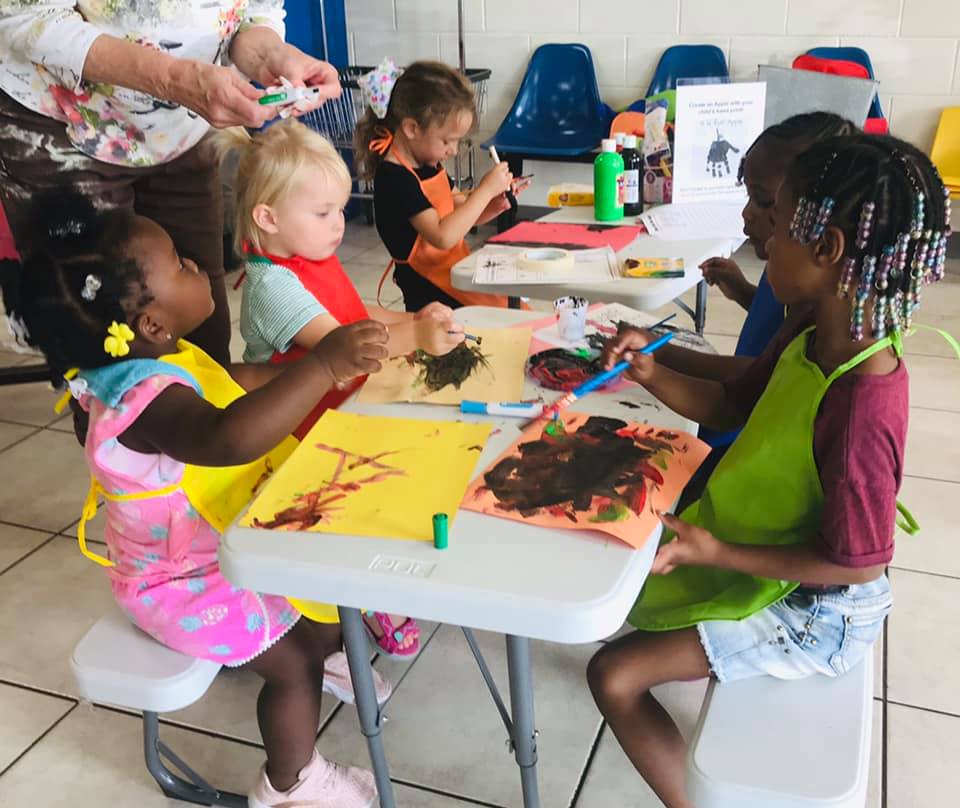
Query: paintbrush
[[600, 379], [466, 336], [511, 198]]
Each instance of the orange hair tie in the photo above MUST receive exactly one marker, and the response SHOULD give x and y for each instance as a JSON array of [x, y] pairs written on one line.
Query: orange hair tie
[[382, 143]]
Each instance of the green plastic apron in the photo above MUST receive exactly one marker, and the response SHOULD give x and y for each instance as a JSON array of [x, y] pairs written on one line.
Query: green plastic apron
[[766, 491]]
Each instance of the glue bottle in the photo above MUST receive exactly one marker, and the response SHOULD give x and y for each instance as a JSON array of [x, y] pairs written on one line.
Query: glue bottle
[[608, 183], [632, 163]]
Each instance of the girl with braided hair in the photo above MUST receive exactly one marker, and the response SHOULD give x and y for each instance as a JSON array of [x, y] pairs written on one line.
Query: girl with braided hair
[[178, 445], [778, 569]]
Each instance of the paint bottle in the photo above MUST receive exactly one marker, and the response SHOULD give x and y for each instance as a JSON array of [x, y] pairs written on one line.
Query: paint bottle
[[632, 163], [608, 187], [618, 138]]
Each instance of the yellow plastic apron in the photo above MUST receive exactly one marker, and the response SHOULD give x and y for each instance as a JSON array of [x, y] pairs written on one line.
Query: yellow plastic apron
[[218, 494]]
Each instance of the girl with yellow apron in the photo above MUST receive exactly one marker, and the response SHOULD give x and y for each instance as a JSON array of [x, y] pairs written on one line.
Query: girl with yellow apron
[[217, 494]]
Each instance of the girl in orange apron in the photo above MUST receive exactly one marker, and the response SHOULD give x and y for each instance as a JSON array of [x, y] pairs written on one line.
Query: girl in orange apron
[[415, 122]]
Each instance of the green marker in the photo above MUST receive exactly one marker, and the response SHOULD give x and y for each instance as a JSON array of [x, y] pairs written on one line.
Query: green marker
[[273, 98], [440, 531]]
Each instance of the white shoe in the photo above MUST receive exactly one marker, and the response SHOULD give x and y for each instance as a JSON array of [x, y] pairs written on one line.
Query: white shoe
[[337, 681], [320, 784]]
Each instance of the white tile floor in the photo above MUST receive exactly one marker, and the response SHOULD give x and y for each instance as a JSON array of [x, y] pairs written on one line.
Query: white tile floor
[[444, 741]]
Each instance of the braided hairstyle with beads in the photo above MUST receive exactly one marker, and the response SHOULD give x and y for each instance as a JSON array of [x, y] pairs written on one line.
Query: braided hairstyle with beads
[[75, 280], [889, 201]]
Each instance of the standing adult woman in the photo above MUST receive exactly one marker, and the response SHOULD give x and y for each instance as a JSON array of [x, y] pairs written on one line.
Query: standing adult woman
[[116, 98]]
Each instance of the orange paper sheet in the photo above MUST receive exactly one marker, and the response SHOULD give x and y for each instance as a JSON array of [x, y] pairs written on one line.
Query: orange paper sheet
[[595, 474], [498, 378]]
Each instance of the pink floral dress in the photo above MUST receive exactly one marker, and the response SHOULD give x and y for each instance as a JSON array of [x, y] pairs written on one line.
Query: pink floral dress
[[166, 575]]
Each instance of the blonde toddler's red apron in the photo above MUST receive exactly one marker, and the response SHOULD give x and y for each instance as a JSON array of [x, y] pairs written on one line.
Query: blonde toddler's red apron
[[333, 289]]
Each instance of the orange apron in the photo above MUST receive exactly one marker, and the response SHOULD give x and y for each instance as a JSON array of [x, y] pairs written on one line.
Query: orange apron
[[426, 260]]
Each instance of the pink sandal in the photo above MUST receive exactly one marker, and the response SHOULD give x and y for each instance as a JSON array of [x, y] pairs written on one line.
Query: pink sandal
[[390, 642]]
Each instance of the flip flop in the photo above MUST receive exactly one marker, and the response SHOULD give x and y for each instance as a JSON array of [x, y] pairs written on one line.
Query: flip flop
[[389, 643]]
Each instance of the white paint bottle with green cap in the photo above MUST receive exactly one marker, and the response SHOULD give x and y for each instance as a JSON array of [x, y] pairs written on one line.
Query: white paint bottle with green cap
[[608, 183]]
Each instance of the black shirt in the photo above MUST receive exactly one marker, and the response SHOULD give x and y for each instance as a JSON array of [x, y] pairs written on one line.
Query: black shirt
[[397, 198]]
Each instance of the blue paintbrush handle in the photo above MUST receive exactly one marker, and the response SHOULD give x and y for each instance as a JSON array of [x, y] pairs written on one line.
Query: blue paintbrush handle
[[617, 369]]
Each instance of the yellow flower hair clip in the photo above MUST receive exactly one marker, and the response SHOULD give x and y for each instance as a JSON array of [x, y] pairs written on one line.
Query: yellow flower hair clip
[[117, 343]]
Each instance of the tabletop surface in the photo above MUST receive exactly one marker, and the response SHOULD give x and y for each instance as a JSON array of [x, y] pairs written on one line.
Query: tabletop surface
[[497, 574], [644, 294]]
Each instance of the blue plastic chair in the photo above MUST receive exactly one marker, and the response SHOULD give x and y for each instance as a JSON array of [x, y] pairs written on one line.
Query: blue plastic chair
[[860, 57], [683, 62], [687, 62], [557, 111]]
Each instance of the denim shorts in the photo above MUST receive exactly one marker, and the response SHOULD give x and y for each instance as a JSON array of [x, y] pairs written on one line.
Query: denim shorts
[[810, 631]]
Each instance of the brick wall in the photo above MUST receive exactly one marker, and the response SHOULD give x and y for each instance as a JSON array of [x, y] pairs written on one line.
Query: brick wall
[[913, 43]]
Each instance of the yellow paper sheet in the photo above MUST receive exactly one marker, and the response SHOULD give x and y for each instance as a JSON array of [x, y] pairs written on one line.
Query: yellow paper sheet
[[369, 476], [504, 350]]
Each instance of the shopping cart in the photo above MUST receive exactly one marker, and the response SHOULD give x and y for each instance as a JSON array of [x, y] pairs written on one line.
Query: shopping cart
[[337, 120]]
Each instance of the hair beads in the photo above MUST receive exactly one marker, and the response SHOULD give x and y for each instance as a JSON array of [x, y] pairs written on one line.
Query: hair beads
[[880, 303], [866, 221], [886, 198], [860, 299]]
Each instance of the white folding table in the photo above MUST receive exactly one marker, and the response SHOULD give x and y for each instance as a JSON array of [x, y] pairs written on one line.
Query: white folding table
[[645, 294], [497, 575]]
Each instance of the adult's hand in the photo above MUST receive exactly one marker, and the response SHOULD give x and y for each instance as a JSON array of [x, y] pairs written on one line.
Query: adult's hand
[[219, 95]]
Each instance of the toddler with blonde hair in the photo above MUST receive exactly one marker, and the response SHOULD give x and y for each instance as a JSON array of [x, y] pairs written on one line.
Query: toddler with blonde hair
[[290, 193]]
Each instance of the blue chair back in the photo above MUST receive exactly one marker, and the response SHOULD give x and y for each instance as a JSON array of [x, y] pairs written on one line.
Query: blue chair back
[[557, 110], [687, 62], [858, 56]]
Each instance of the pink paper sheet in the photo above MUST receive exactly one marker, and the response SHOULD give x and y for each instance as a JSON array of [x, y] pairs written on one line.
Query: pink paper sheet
[[568, 236]]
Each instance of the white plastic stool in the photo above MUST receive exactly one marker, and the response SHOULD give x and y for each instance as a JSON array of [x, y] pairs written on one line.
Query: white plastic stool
[[767, 743], [116, 663]]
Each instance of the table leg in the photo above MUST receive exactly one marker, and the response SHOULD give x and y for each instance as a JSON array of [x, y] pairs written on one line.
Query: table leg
[[700, 319], [355, 641], [521, 705]]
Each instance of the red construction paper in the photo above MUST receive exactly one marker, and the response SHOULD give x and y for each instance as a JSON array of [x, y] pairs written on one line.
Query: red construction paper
[[568, 236]]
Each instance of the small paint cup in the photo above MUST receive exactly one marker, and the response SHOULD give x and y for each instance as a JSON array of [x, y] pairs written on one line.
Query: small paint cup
[[571, 317]]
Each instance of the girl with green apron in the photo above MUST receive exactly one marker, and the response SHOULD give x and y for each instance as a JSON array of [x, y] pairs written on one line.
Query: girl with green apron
[[778, 569]]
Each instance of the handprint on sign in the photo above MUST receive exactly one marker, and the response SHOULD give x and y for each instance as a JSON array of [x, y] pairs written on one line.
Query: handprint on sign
[[717, 160]]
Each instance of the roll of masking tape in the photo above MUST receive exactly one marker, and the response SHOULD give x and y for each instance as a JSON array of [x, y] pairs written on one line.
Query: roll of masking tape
[[546, 259]]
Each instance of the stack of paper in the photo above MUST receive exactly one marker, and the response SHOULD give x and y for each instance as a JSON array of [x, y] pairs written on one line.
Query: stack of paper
[[687, 222], [499, 265]]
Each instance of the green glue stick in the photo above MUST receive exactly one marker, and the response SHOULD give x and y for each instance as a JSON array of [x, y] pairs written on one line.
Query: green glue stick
[[440, 536]]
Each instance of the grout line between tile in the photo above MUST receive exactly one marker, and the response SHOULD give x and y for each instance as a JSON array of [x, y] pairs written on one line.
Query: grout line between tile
[[38, 690], [27, 555], [933, 710], [18, 441], [884, 745], [38, 740], [584, 773], [932, 409], [925, 572], [24, 527], [440, 792], [932, 479]]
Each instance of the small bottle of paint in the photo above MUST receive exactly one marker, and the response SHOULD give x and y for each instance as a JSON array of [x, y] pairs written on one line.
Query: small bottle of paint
[[608, 179], [632, 163]]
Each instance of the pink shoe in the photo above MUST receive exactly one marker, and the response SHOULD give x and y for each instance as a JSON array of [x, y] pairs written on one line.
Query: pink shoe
[[389, 643], [320, 784], [337, 682]]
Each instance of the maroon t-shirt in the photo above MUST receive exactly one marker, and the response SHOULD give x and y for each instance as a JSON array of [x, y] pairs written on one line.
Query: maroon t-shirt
[[858, 442]]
